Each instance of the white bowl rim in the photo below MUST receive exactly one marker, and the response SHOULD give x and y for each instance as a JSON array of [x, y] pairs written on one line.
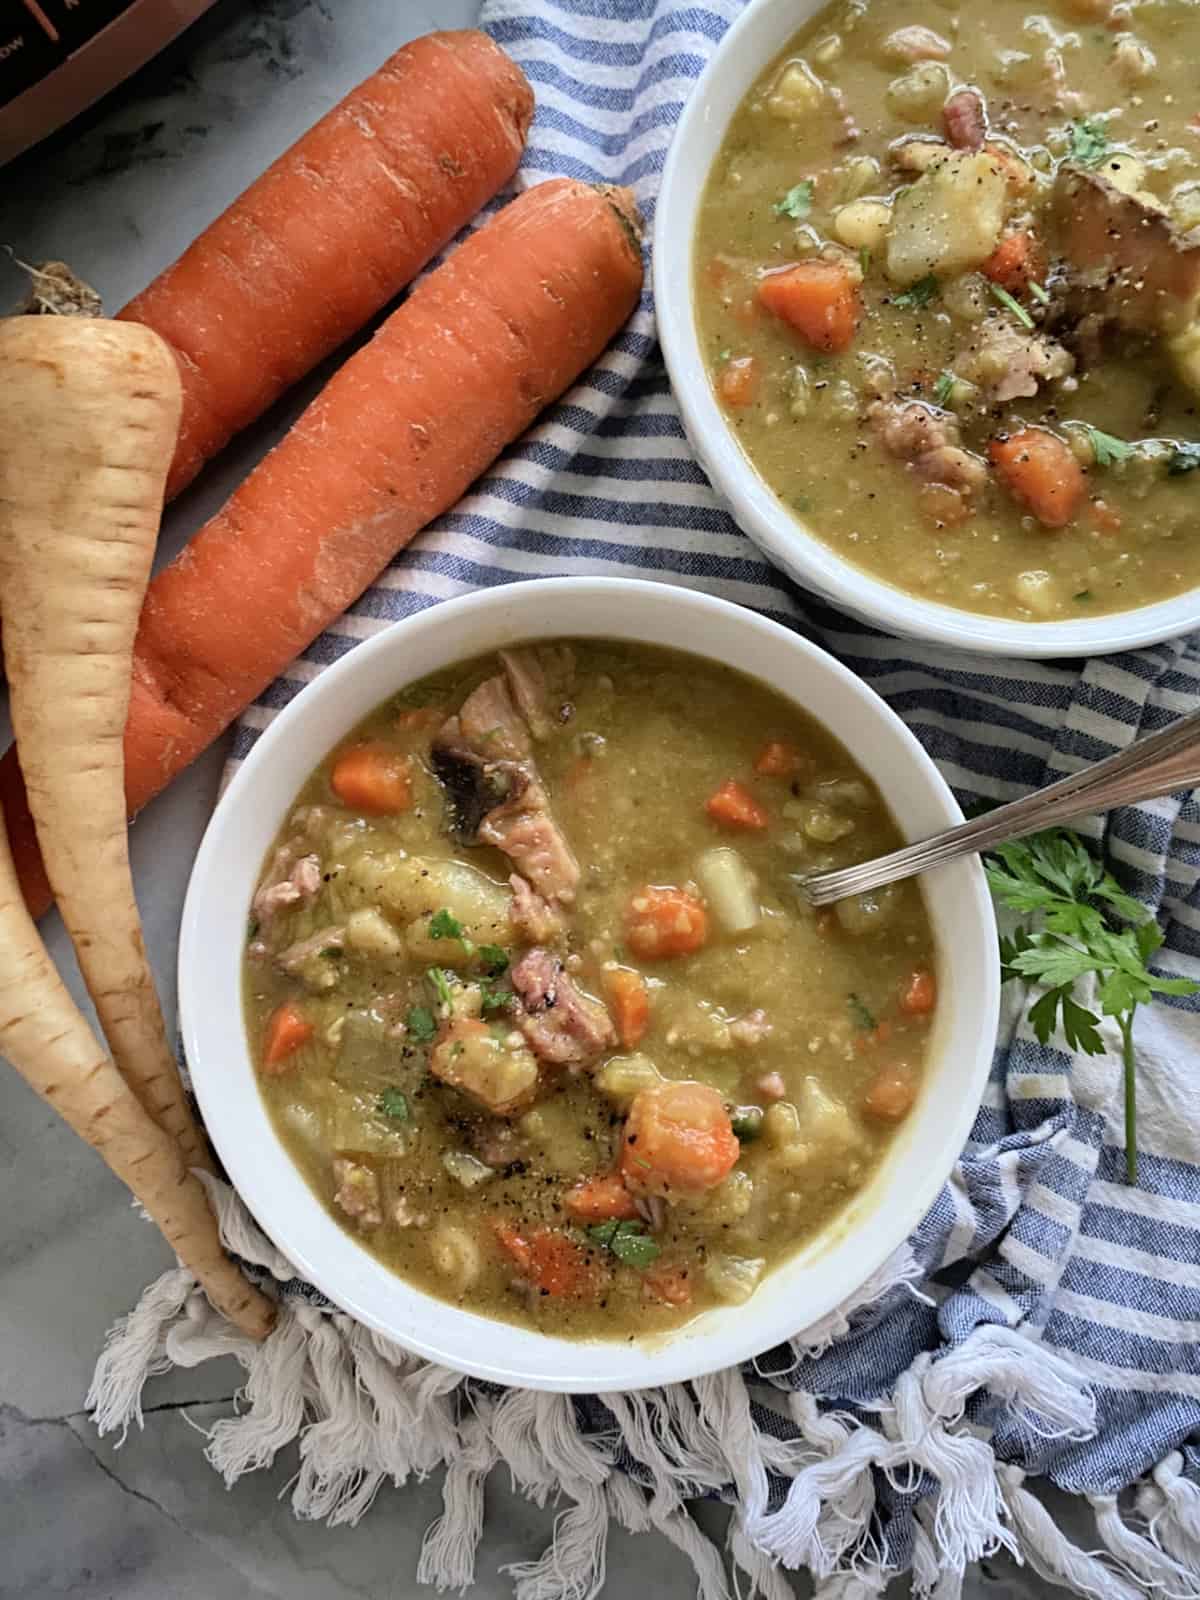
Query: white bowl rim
[[751, 41], [263, 1171]]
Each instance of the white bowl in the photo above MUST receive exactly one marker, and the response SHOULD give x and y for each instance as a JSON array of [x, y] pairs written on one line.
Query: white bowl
[[253, 808], [757, 36]]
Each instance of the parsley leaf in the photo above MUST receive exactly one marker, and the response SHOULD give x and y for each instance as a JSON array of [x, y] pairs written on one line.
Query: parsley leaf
[[860, 1013], [1006, 300], [439, 981], [1087, 142], [943, 389], [864, 259], [494, 998], [394, 1103], [445, 925], [1184, 458], [797, 202], [492, 959], [421, 1024], [628, 1241], [1106, 447], [921, 293], [1084, 925], [1040, 293]]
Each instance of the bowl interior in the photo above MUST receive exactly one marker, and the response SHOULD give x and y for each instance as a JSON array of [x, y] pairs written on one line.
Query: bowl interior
[[758, 35], [799, 1292]]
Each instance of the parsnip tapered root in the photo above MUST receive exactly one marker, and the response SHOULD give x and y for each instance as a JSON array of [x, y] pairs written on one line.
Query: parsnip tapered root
[[89, 411], [47, 1039]]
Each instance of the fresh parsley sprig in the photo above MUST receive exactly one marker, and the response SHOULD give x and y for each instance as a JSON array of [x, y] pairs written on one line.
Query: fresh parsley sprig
[[1083, 924]]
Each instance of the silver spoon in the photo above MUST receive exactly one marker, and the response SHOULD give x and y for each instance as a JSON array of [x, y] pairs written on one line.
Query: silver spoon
[[1163, 763]]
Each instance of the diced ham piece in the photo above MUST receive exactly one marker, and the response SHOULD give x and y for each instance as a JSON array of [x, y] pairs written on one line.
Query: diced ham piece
[[534, 920], [294, 957], [751, 1029], [357, 1192], [528, 684], [1010, 364], [525, 830], [964, 119], [955, 467], [1129, 261], [289, 881], [929, 441], [563, 1025], [491, 725], [771, 1086]]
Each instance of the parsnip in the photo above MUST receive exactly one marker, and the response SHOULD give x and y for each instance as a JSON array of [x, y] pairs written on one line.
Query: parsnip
[[48, 1041], [89, 411]]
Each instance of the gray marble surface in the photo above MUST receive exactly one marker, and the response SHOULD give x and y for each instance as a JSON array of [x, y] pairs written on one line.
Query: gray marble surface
[[119, 195]]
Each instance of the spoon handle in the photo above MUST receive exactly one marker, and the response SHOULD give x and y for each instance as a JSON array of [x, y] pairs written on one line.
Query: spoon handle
[[1163, 763]]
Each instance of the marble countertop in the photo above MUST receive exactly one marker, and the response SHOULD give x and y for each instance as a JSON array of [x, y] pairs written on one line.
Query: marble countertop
[[118, 195]]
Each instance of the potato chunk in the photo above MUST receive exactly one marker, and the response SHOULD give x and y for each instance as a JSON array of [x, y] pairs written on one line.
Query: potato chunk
[[949, 221], [797, 93], [502, 1078]]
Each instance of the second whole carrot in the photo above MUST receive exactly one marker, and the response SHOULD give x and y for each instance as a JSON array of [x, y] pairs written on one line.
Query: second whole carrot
[[459, 371]]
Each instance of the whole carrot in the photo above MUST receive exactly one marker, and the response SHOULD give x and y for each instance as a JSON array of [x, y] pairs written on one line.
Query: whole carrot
[[333, 231], [394, 439]]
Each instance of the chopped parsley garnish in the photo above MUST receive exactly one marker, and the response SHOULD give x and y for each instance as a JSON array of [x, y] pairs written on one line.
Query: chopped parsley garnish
[[1082, 924], [394, 1103], [1087, 142], [628, 1241], [1184, 458], [439, 981], [1006, 300], [1040, 293], [861, 1013], [494, 998], [331, 952], [797, 202], [921, 293], [1106, 447], [421, 1024], [943, 389], [864, 258], [445, 925], [492, 959], [747, 1125]]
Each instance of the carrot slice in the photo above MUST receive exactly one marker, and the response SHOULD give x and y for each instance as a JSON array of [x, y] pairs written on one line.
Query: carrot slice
[[733, 806], [664, 922], [629, 1003], [739, 381], [779, 760], [287, 1029], [1040, 471], [554, 1264], [668, 1284], [374, 779], [509, 319], [602, 1199], [919, 995], [1016, 262], [819, 299], [333, 231]]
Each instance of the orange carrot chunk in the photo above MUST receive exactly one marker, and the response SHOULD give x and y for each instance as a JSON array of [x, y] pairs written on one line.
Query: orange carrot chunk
[[554, 1264], [670, 1285], [739, 381], [664, 922], [601, 1199], [1040, 471], [819, 299], [629, 1003], [374, 779], [333, 231], [287, 1029], [1016, 262], [462, 367], [919, 995], [733, 806], [678, 1138], [779, 760]]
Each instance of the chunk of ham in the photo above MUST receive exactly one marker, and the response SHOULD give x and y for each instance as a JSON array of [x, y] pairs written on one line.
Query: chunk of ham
[[357, 1191], [562, 1025], [964, 120], [525, 830], [750, 1029], [1009, 364], [491, 725], [294, 957], [1128, 261], [292, 878], [527, 682], [928, 441], [534, 920]]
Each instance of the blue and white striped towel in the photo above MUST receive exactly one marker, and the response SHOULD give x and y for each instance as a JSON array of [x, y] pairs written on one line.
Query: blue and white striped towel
[[1047, 1318]]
